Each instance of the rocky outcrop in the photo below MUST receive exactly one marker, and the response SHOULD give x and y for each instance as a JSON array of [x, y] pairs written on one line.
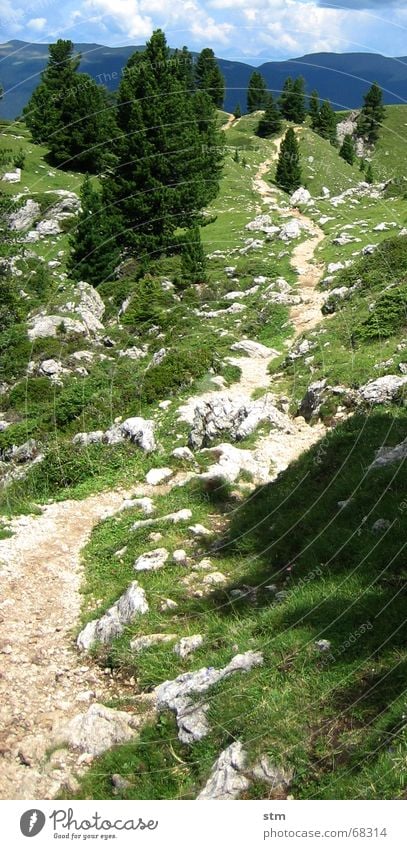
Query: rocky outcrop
[[177, 695], [387, 456], [227, 779], [130, 605], [136, 429], [383, 390], [239, 417], [100, 728], [25, 216], [151, 561]]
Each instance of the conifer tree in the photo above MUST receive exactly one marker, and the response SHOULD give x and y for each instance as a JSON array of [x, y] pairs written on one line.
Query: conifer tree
[[256, 92], [237, 111], [369, 177], [169, 152], [313, 108], [208, 77], [95, 253], [347, 150], [193, 259], [292, 100], [270, 123], [372, 114], [69, 112], [288, 172], [326, 124]]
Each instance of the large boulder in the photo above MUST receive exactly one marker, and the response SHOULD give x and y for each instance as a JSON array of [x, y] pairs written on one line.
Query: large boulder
[[238, 416], [23, 218], [254, 349], [130, 605], [178, 695], [383, 390], [138, 430], [12, 176], [301, 197], [99, 729], [227, 780], [41, 326]]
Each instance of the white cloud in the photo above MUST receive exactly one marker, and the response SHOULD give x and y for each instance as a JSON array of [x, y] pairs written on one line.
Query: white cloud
[[125, 14], [37, 24]]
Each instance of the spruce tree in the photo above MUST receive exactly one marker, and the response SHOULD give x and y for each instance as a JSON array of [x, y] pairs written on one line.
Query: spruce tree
[[193, 259], [288, 172], [369, 176], [169, 152], [237, 111], [270, 123], [256, 92], [347, 150], [292, 100], [313, 108], [95, 253], [208, 77], [326, 125], [299, 101], [372, 114], [69, 112]]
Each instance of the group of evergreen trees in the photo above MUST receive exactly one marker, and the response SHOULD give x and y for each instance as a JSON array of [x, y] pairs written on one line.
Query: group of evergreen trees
[[156, 145]]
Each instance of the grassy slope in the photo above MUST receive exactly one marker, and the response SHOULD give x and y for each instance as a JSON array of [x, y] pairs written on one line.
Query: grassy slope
[[338, 719]]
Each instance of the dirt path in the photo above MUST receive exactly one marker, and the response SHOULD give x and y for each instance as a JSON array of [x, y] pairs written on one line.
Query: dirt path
[[43, 680]]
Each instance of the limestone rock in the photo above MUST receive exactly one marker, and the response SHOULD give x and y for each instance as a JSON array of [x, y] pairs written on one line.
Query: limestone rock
[[12, 176], [384, 390], [131, 604], [388, 455], [300, 198], [140, 644], [273, 775], [157, 476], [187, 645], [183, 453], [25, 216], [100, 728], [253, 349], [238, 416], [227, 780], [151, 561], [41, 326]]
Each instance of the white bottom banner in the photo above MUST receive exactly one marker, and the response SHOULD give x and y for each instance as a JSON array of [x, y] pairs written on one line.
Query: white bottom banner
[[182, 824]]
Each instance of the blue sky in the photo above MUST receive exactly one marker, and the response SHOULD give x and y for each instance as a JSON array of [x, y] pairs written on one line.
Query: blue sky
[[247, 30]]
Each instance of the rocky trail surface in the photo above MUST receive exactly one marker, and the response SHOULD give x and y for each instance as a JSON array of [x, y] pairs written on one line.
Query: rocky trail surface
[[44, 681]]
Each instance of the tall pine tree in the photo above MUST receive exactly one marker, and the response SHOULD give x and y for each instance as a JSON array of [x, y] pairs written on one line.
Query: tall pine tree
[[209, 78], [256, 92], [70, 113], [169, 152], [326, 122], [270, 123], [288, 171], [94, 246], [347, 150], [372, 115], [292, 100]]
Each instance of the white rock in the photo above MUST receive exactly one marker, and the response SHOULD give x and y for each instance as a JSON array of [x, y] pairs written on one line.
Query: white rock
[[199, 531], [253, 349], [12, 176], [179, 556], [99, 729], [131, 604], [187, 645], [157, 476], [183, 453], [42, 326], [214, 578], [140, 644], [227, 779], [388, 455], [300, 198], [24, 217], [151, 561], [383, 390]]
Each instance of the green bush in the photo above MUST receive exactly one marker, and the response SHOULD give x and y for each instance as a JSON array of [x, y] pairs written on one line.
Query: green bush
[[147, 304], [31, 394], [388, 317], [178, 369]]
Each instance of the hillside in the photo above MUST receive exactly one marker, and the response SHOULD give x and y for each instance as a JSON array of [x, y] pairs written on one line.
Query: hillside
[[341, 78], [202, 496]]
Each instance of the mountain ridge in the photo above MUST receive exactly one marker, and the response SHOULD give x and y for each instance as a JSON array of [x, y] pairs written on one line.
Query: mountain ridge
[[340, 77]]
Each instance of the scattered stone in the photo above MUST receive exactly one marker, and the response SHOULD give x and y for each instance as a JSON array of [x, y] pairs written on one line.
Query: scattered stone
[[187, 645], [227, 781], [157, 476], [273, 775], [238, 416], [199, 531], [99, 729], [214, 578], [180, 557], [176, 695], [381, 525], [120, 783], [131, 604], [168, 604], [254, 349], [183, 453], [144, 504], [384, 390], [25, 216], [151, 561], [140, 644], [12, 176], [301, 197], [322, 645], [386, 456]]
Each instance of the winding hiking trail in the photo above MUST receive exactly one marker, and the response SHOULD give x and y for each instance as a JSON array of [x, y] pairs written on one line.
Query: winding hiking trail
[[44, 682]]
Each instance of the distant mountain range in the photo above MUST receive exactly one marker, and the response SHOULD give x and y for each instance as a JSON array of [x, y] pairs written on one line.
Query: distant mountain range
[[340, 77]]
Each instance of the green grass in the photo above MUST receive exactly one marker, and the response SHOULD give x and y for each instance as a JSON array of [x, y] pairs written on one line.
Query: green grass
[[336, 720]]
